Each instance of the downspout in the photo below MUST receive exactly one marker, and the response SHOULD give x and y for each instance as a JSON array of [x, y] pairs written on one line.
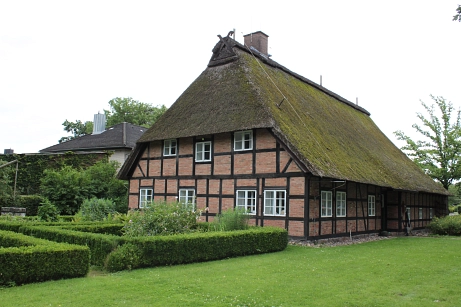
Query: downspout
[[124, 134]]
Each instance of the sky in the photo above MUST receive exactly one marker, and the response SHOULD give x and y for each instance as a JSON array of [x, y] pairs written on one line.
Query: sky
[[64, 60]]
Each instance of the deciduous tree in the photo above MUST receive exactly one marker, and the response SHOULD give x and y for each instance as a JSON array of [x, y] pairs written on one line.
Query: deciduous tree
[[439, 153], [120, 110], [133, 112]]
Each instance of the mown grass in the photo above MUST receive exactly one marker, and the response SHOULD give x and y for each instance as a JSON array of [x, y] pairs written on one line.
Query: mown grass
[[409, 271]]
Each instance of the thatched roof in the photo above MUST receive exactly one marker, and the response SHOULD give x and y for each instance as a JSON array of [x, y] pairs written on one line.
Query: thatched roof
[[123, 135], [332, 137]]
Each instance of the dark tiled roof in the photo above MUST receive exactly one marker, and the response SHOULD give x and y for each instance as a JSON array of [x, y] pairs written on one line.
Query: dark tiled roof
[[122, 135], [331, 136]]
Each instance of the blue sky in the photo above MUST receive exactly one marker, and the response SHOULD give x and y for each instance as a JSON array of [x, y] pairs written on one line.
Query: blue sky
[[66, 59]]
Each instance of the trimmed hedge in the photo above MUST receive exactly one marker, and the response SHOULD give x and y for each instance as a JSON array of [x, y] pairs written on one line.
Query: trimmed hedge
[[100, 245], [197, 247], [30, 202], [107, 229], [120, 253], [26, 259]]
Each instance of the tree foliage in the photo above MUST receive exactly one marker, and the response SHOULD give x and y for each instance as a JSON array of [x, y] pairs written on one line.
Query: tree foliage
[[133, 112], [439, 153], [69, 187], [77, 128], [458, 14], [120, 110]]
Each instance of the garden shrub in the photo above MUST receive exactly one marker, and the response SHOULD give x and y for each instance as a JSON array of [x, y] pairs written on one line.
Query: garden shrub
[[124, 257], [161, 218], [100, 245], [30, 202], [48, 212], [200, 246], [69, 187], [95, 209], [26, 259], [228, 220], [107, 229], [448, 225]]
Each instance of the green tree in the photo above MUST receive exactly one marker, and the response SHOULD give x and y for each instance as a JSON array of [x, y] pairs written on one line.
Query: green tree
[[439, 153], [77, 128], [68, 187], [120, 110], [458, 14], [133, 112]]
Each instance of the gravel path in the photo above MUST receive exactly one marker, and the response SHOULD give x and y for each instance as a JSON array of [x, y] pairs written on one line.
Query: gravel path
[[348, 241]]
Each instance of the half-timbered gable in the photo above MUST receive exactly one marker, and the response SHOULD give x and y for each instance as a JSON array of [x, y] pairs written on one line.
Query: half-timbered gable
[[249, 133]]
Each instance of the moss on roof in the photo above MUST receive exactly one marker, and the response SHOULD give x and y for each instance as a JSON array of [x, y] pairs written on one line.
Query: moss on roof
[[331, 136]]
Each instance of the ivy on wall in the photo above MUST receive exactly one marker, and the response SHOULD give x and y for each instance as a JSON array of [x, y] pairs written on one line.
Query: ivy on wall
[[31, 167]]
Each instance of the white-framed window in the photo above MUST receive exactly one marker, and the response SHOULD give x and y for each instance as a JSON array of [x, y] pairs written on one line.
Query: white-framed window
[[371, 205], [420, 213], [326, 202], [340, 203], [243, 140], [187, 197], [145, 197], [275, 202], [246, 200], [203, 151], [170, 147], [430, 213]]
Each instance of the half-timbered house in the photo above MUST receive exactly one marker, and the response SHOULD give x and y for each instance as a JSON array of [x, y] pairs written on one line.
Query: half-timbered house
[[251, 134]]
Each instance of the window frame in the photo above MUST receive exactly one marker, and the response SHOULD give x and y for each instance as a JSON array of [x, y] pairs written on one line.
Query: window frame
[[371, 205], [167, 148], [203, 151], [431, 212], [275, 205], [341, 204], [187, 197], [326, 204], [420, 213], [239, 138], [144, 199], [246, 199]]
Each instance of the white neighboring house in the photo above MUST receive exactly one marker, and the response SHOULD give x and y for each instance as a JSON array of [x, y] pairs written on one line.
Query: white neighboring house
[[120, 139]]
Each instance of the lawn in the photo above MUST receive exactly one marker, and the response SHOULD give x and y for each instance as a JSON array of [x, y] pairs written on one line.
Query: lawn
[[406, 271]]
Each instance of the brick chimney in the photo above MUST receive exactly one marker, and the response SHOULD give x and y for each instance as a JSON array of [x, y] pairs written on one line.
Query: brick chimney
[[257, 40]]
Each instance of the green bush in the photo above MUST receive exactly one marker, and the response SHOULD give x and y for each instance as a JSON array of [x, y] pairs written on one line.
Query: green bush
[[161, 218], [229, 220], [69, 187], [25, 259], [48, 212], [30, 202], [197, 247], [125, 257], [107, 229], [448, 225], [100, 245], [95, 209]]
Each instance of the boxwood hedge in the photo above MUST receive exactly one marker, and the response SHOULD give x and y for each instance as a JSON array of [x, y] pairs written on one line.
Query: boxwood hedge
[[26, 259]]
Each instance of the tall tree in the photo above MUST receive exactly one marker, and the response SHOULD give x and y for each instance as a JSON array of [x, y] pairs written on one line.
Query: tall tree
[[439, 154], [133, 112], [121, 110]]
